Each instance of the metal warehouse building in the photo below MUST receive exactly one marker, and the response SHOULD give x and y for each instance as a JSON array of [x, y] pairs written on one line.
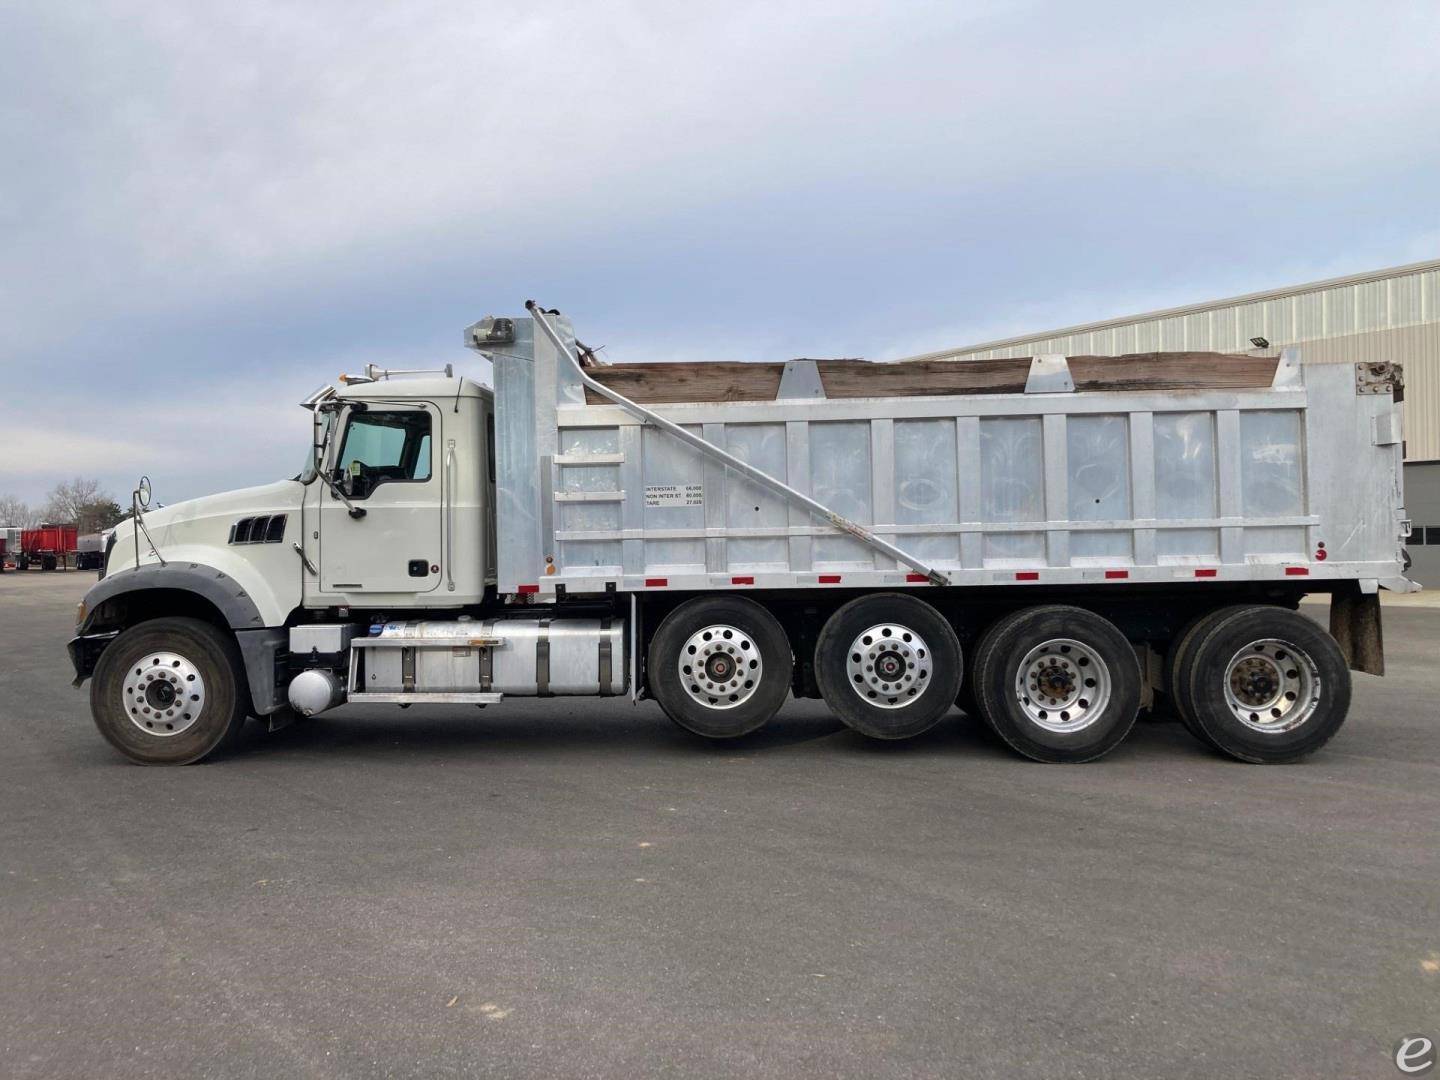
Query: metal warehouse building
[[1385, 315]]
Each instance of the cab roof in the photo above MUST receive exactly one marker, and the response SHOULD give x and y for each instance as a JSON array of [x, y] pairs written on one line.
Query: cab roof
[[420, 387]]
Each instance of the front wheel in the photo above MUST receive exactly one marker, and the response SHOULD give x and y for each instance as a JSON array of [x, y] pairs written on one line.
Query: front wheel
[[169, 692], [720, 666], [1058, 683]]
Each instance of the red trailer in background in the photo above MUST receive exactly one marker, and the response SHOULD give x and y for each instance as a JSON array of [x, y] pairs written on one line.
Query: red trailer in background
[[47, 547], [3, 556]]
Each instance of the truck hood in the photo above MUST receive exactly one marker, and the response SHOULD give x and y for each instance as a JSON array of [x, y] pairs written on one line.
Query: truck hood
[[199, 531], [221, 510]]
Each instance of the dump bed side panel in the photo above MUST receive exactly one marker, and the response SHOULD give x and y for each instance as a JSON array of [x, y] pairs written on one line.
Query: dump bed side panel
[[1014, 488]]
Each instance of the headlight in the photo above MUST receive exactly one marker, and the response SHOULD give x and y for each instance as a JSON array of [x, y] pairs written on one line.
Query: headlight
[[80, 612]]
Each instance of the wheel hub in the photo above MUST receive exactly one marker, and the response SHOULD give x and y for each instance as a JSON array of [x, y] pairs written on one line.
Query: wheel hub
[[720, 667], [1271, 686], [1062, 685], [1256, 681], [889, 665], [1055, 680], [163, 693]]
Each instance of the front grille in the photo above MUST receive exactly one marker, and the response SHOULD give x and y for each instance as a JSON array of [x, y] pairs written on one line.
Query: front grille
[[268, 529]]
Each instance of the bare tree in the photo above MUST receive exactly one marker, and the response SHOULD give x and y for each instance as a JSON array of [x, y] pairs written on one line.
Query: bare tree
[[82, 502], [15, 511]]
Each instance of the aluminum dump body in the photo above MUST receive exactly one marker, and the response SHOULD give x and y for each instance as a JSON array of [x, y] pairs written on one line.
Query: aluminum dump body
[[1061, 471]]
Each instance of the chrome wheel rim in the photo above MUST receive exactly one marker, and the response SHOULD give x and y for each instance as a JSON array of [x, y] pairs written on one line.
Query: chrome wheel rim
[[1271, 686], [1063, 685], [720, 667], [889, 665], [163, 693]]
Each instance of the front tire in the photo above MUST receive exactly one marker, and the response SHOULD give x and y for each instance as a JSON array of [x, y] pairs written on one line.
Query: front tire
[[888, 665], [1057, 683], [720, 667], [169, 692]]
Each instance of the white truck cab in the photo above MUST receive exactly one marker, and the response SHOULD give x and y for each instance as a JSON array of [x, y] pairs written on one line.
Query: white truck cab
[[1055, 543]]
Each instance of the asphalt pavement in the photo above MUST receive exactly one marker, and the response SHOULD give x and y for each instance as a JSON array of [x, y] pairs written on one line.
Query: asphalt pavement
[[580, 889]]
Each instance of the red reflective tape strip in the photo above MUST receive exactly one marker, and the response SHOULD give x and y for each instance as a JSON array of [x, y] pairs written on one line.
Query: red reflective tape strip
[[742, 581], [829, 579], [1296, 571], [1027, 575], [1117, 573], [916, 577], [656, 582], [527, 588], [1206, 573]]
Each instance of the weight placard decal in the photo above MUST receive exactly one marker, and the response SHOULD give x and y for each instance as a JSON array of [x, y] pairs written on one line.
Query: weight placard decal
[[674, 495]]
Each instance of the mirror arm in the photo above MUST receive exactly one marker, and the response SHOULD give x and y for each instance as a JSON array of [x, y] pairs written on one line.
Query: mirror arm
[[356, 512]]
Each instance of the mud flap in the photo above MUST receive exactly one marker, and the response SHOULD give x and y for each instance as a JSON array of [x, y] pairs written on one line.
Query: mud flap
[[1355, 626]]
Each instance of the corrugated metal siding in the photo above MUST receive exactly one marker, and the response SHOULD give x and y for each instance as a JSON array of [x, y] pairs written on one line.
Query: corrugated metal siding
[[1358, 318], [1418, 349]]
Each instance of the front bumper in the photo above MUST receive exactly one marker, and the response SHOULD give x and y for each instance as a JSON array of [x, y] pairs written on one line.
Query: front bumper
[[85, 650]]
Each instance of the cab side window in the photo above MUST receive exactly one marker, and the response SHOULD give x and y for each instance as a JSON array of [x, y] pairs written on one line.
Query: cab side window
[[384, 447]]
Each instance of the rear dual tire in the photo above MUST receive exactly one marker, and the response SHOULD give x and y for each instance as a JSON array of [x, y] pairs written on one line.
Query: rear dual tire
[[1263, 684], [1176, 660], [1057, 684]]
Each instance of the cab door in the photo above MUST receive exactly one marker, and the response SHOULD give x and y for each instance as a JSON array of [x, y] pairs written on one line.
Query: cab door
[[385, 464]]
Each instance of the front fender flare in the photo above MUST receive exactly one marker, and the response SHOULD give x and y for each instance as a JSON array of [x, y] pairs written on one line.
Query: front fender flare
[[259, 645], [216, 586]]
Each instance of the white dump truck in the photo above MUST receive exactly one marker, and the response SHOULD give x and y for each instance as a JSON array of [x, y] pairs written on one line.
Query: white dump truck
[[1054, 542]]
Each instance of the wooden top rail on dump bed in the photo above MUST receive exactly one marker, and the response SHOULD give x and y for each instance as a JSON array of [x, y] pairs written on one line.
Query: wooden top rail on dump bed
[[703, 381]]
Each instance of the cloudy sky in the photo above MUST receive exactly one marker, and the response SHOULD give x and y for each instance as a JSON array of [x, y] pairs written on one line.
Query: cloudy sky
[[208, 209]]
